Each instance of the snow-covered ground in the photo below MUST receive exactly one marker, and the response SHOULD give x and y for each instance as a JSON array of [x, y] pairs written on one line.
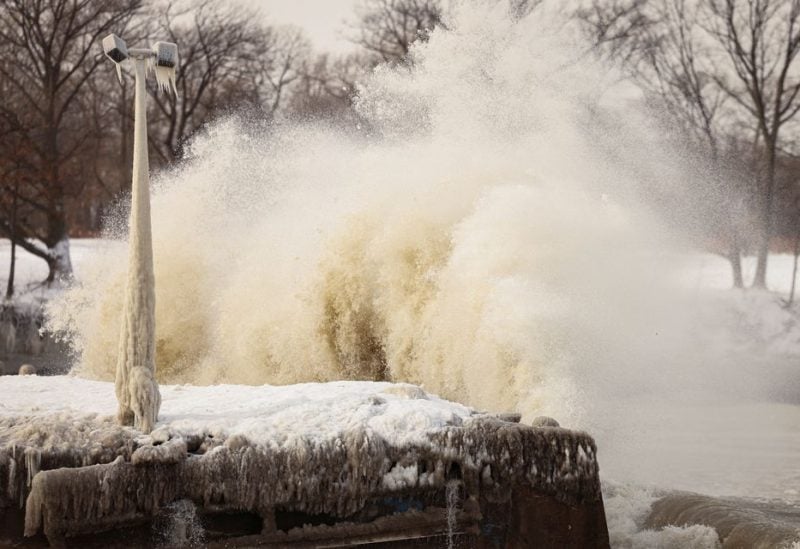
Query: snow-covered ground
[[30, 271], [33, 270], [266, 415], [709, 271]]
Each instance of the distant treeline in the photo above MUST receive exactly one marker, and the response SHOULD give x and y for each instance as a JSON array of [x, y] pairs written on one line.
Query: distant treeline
[[66, 122], [725, 73]]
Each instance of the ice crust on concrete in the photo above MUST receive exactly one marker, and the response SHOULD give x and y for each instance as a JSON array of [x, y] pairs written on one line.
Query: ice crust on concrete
[[313, 448]]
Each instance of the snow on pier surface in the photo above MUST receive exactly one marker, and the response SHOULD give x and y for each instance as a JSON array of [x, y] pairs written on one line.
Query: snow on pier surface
[[267, 415]]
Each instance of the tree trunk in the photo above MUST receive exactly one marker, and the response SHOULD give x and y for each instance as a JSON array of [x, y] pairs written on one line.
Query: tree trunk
[[57, 237], [735, 257], [760, 280], [794, 266], [12, 267], [59, 263], [735, 247]]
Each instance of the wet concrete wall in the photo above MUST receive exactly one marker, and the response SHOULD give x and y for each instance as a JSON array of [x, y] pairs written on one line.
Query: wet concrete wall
[[488, 483]]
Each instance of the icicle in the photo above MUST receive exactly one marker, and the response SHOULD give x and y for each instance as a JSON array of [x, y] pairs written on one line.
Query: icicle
[[165, 76], [10, 336], [33, 459], [13, 489], [11, 486], [451, 497], [34, 511], [164, 64]]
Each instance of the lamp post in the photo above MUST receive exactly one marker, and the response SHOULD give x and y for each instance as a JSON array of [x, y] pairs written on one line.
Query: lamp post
[[135, 384]]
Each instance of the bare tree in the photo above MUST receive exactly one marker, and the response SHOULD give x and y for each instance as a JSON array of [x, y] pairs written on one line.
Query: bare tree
[[660, 44], [11, 179], [519, 9], [617, 24], [713, 61], [228, 61], [283, 60], [761, 40], [389, 27], [795, 252], [215, 41], [328, 86], [49, 53], [11, 139]]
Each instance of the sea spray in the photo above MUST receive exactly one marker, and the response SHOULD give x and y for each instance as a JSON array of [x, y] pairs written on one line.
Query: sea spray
[[178, 525], [474, 241]]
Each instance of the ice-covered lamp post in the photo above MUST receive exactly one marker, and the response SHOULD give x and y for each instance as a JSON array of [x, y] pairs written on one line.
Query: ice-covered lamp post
[[136, 387]]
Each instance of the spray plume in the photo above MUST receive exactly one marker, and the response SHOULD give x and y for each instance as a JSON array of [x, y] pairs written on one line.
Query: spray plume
[[482, 237]]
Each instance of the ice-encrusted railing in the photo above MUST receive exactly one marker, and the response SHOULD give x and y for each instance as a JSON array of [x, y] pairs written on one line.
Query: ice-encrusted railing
[[91, 475]]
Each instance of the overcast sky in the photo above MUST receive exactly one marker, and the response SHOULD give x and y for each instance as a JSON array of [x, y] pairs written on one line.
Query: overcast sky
[[323, 20]]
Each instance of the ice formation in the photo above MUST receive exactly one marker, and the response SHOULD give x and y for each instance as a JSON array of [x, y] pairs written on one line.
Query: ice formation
[[452, 496], [165, 78], [316, 448], [8, 332], [136, 386], [334, 476], [164, 64]]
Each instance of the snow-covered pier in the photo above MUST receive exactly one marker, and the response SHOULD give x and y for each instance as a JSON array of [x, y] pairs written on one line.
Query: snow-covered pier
[[306, 465]]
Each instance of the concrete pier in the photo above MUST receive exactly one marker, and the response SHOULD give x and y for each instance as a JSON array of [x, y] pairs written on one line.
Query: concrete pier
[[467, 479]]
